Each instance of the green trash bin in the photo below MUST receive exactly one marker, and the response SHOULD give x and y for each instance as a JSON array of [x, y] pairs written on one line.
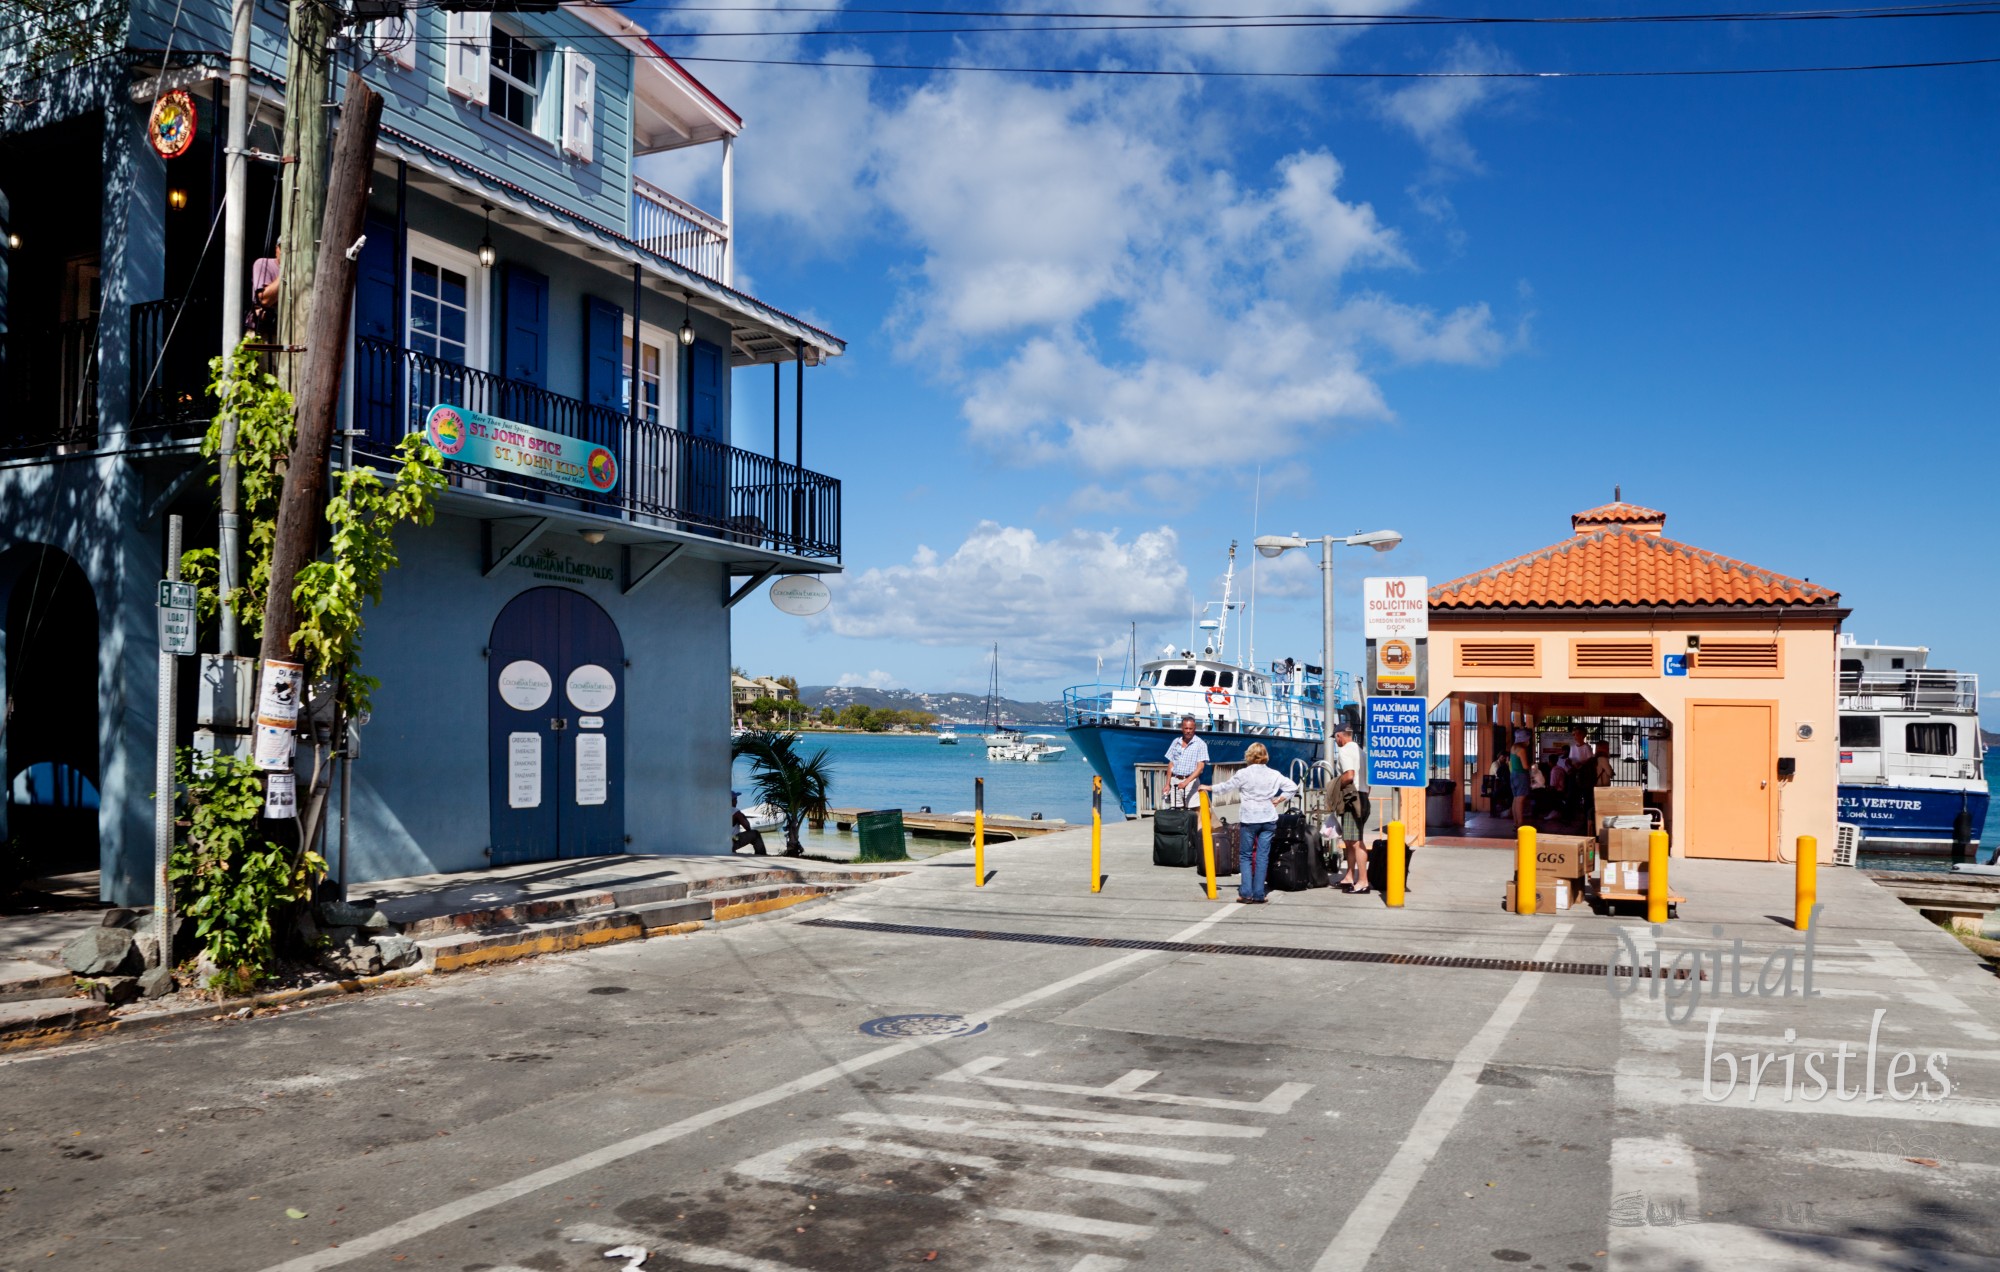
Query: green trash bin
[[881, 832]]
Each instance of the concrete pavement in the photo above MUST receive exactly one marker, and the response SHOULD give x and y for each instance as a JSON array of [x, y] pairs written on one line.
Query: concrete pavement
[[841, 1091]]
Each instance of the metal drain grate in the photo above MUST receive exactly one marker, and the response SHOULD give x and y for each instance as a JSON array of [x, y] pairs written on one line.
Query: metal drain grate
[[1254, 951]]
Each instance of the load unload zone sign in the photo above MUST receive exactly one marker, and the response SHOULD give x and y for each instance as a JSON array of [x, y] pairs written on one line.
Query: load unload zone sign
[[474, 437], [1397, 741]]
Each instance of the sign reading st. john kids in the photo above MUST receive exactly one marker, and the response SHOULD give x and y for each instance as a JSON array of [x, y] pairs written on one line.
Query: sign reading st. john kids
[[1398, 741], [474, 437]]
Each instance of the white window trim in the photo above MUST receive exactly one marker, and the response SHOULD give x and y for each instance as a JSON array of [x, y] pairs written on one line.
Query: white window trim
[[477, 286], [670, 350], [545, 55]]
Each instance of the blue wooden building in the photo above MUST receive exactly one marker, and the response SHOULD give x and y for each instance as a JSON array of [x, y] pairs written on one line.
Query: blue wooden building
[[553, 654]]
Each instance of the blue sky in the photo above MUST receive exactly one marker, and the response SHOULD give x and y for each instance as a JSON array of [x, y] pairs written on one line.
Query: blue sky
[[1088, 317]]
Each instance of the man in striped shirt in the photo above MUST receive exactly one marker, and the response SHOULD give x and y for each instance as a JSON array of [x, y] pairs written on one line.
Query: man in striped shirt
[[1187, 756]]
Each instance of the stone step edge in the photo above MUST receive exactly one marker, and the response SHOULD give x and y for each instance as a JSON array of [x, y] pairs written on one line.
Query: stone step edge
[[32, 1021], [471, 949], [621, 898], [37, 980]]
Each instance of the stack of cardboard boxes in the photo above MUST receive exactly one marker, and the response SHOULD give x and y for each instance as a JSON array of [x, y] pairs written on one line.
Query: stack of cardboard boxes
[[1562, 863], [1613, 859]]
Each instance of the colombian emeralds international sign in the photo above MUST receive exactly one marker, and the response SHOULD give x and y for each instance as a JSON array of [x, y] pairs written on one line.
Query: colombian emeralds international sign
[[474, 437]]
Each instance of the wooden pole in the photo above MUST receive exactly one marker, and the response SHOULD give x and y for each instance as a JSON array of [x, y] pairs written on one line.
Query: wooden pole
[[301, 215], [302, 503]]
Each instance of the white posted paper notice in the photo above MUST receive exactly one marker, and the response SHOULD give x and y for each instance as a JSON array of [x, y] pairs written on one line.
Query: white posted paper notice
[[591, 757], [524, 770], [281, 795]]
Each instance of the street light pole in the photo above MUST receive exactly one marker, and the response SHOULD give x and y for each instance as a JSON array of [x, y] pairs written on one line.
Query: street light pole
[[1327, 722]]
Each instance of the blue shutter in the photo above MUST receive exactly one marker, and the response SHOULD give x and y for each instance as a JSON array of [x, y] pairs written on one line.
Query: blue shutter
[[603, 354], [707, 472], [376, 301], [705, 391], [524, 331]]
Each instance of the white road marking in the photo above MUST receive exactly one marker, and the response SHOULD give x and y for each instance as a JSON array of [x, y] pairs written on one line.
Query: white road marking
[[485, 1199], [1091, 1120], [1075, 1224], [1949, 1174], [1127, 1088], [969, 1127], [1099, 1263], [1659, 1228], [1119, 1179], [1369, 1221]]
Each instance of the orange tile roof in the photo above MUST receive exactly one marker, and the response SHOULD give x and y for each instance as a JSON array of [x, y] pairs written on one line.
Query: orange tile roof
[[1616, 565], [1618, 512]]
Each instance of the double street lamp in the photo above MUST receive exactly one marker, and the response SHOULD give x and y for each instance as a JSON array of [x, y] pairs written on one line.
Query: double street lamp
[[1276, 545]]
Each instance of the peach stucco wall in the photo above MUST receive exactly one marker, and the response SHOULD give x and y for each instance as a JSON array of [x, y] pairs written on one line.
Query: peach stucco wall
[[1804, 694]]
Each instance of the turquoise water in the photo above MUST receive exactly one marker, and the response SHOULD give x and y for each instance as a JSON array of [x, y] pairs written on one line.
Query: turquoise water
[[910, 771]]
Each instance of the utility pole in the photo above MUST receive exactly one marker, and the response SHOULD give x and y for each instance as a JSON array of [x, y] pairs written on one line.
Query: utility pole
[[330, 302], [229, 551], [307, 73]]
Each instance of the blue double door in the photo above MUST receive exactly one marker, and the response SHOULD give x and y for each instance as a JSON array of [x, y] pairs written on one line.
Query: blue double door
[[556, 729]]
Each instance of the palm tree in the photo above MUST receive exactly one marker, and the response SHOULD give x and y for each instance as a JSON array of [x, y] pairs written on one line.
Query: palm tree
[[795, 785]]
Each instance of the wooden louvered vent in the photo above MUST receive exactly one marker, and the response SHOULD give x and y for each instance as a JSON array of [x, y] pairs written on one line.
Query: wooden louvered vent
[[1746, 659], [1633, 657], [1498, 657]]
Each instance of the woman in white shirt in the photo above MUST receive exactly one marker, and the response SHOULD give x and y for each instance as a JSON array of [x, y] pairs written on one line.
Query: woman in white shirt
[[1262, 789]]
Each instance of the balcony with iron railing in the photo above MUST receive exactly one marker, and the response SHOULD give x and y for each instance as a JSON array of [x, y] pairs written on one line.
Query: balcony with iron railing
[[668, 478], [679, 231]]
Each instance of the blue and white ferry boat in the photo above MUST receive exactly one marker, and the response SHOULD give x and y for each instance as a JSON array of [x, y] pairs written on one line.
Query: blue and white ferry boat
[[1122, 730], [1911, 772]]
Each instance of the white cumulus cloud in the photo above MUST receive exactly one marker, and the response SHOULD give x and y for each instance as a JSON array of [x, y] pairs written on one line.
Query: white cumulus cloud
[[877, 679], [1049, 602]]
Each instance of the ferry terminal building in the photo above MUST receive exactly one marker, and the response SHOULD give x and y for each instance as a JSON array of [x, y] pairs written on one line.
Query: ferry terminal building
[[1712, 681]]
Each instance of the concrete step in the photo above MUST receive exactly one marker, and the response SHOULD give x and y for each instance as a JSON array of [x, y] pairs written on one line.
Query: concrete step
[[598, 901], [452, 951], [22, 979], [31, 1019]]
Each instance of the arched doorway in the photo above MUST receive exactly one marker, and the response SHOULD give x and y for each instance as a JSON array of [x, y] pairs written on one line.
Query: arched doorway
[[555, 729], [51, 712]]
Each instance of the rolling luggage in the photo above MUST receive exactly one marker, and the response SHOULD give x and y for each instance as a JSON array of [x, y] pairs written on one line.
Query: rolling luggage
[[1176, 837], [1228, 845], [1296, 862], [1378, 865]]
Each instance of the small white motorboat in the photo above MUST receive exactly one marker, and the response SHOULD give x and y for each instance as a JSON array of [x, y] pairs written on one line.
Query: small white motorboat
[[947, 736], [765, 817], [1031, 749]]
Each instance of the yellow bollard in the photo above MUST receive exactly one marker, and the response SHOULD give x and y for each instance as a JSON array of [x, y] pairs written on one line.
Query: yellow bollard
[[978, 832], [1656, 877], [1207, 846], [1397, 864], [1096, 833], [1524, 871], [1808, 885]]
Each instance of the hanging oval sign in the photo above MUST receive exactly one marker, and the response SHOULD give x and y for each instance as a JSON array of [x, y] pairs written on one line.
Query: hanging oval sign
[[171, 127], [525, 684], [800, 594], [590, 688]]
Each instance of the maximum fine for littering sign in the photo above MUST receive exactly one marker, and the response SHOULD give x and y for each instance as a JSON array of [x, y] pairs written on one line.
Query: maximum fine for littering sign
[[1397, 741]]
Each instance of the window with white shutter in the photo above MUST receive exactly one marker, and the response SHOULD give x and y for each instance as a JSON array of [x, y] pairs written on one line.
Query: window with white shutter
[[466, 37], [396, 40], [579, 124]]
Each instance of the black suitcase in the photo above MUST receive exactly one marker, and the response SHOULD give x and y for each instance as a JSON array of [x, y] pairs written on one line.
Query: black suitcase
[[1176, 837], [1228, 847], [1296, 862], [1378, 865]]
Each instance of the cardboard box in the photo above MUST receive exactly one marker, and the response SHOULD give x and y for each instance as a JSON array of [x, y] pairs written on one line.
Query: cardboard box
[[1631, 876], [1552, 896], [1563, 856], [1628, 845], [1614, 801]]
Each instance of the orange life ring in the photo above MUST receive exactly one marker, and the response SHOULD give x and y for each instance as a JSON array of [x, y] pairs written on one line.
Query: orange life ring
[[1219, 697]]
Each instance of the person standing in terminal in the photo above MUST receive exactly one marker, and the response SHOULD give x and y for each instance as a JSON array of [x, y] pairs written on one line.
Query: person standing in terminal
[[1347, 810], [1262, 789], [1187, 756]]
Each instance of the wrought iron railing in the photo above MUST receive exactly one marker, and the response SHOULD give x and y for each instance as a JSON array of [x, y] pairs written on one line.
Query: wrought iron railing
[[677, 230], [172, 343], [48, 381], [667, 477]]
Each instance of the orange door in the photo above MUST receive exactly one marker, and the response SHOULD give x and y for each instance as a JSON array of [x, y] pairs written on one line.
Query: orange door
[[1732, 780]]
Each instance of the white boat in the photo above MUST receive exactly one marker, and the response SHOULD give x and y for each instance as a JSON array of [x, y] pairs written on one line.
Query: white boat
[[1911, 773], [1031, 748], [947, 736], [765, 816]]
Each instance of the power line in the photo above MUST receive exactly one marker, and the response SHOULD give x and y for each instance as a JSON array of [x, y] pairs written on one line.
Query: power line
[[1084, 71], [1948, 8]]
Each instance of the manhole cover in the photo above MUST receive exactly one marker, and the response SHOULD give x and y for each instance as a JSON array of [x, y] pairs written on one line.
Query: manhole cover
[[922, 1025]]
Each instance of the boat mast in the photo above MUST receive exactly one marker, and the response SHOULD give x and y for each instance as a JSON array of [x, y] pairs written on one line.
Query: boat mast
[[1228, 584]]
